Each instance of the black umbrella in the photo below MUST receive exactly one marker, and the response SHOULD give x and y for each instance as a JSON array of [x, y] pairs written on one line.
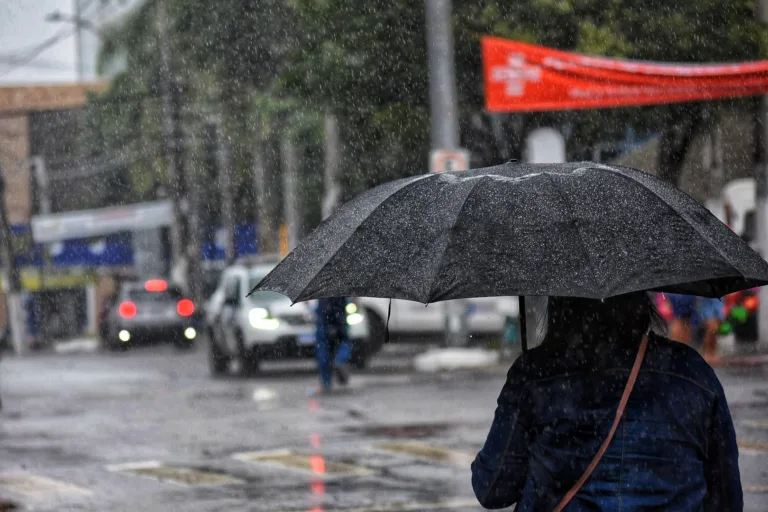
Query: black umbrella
[[577, 229]]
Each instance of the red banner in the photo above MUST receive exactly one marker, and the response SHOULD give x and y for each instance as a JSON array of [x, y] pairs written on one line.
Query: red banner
[[526, 77]]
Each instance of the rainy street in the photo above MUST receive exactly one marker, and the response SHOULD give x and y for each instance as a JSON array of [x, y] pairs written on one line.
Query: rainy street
[[150, 430]]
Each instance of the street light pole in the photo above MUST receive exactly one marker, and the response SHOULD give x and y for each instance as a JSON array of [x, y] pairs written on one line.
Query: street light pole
[[444, 125], [78, 39], [761, 192], [169, 90]]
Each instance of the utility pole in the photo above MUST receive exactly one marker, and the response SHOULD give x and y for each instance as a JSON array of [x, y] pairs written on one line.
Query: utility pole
[[224, 167], [78, 38], [290, 203], [195, 232], [171, 130], [761, 192], [264, 225], [332, 193], [12, 278], [43, 181], [444, 126]]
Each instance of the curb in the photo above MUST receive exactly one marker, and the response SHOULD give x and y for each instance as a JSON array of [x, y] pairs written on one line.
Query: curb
[[741, 361]]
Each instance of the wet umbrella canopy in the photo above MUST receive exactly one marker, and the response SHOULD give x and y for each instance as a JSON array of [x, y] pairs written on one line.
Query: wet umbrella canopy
[[576, 229]]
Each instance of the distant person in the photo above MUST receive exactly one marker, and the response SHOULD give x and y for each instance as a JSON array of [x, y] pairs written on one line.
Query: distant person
[[673, 449], [332, 346], [710, 315], [684, 311]]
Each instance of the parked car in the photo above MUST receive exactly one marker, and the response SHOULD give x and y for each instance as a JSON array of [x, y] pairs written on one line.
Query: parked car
[[487, 318], [266, 326], [151, 310]]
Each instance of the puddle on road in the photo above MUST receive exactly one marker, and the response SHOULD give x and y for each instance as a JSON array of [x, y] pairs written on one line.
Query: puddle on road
[[175, 474], [309, 463], [408, 431], [39, 487], [429, 452]]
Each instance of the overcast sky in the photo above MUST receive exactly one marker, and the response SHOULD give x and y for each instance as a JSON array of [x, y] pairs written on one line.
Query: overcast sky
[[23, 27]]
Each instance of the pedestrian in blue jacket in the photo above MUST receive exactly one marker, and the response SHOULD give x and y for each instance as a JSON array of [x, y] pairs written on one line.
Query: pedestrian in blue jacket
[[674, 447], [332, 346]]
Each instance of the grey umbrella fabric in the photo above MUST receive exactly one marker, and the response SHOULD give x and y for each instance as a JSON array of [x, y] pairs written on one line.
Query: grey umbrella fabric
[[577, 229]]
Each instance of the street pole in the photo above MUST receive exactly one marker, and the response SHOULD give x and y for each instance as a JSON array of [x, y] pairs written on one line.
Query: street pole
[[290, 204], [761, 193], [444, 126], [44, 194], [168, 88], [78, 39], [12, 279], [332, 193], [264, 225], [195, 233], [226, 189]]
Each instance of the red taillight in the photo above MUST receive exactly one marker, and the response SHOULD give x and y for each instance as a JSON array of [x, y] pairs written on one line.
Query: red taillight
[[750, 303], [185, 307], [156, 285], [127, 310]]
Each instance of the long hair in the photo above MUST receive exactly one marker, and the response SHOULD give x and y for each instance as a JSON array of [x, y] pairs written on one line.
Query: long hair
[[623, 318]]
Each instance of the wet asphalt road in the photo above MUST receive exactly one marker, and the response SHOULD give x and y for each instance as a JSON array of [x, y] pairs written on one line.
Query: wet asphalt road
[[149, 430]]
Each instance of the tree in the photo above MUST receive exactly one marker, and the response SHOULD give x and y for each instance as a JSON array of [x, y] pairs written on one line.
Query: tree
[[368, 62]]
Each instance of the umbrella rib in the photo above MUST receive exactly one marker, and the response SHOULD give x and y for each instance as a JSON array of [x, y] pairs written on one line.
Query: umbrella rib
[[616, 171], [449, 237], [405, 185], [568, 207]]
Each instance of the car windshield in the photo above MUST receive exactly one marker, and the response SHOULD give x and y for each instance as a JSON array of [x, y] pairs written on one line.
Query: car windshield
[[142, 296]]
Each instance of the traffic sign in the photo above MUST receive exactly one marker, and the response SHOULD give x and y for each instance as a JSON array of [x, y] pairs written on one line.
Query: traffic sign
[[448, 160]]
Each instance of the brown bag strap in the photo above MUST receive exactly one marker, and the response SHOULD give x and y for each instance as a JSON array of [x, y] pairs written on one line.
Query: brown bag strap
[[619, 412]]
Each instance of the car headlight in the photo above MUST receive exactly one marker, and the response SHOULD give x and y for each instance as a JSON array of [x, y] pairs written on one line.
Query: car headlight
[[354, 319], [351, 308], [259, 319]]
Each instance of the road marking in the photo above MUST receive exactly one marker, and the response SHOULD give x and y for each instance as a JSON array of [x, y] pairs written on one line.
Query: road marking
[[174, 474], [429, 452], [406, 507], [39, 487], [305, 463], [752, 447], [263, 395]]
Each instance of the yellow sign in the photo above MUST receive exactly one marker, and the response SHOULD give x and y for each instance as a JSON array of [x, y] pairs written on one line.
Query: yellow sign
[[31, 280], [284, 246]]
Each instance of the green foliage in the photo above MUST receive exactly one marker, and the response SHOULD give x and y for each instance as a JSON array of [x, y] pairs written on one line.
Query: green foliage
[[277, 65]]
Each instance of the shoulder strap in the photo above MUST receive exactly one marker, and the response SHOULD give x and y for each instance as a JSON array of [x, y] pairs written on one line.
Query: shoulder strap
[[619, 412]]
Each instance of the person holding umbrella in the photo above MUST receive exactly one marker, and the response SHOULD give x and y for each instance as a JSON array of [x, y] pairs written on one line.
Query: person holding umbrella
[[676, 449], [594, 238]]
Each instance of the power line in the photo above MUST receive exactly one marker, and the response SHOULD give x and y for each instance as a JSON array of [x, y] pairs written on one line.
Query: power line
[[38, 63], [32, 54]]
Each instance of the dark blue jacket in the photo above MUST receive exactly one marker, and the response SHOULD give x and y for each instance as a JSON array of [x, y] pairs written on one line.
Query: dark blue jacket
[[675, 448]]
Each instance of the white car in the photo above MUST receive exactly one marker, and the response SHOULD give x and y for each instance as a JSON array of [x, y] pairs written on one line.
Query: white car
[[266, 325], [413, 320]]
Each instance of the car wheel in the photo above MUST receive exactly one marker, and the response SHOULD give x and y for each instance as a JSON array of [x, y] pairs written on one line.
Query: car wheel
[[249, 359], [218, 361]]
